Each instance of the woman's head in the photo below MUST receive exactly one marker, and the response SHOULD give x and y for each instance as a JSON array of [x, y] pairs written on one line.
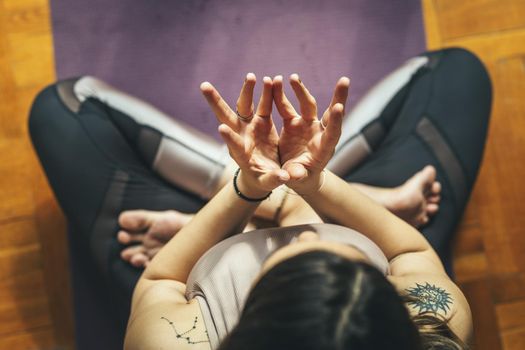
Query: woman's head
[[323, 300]]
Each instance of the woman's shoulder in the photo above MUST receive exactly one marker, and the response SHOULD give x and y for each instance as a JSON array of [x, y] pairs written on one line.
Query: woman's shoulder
[[436, 295]]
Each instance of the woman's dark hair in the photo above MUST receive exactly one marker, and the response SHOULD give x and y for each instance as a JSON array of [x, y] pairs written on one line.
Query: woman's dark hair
[[319, 300]]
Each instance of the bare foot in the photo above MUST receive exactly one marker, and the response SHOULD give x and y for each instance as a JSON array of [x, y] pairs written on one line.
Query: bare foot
[[148, 231], [415, 201]]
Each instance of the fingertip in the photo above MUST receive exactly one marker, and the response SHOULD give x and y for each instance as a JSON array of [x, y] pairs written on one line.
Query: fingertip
[[338, 108], [345, 81], [278, 79], [223, 129], [250, 77], [283, 176], [267, 80], [206, 87], [295, 78]]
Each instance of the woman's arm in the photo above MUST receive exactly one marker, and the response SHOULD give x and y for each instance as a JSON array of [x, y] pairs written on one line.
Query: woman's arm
[[253, 145], [306, 145]]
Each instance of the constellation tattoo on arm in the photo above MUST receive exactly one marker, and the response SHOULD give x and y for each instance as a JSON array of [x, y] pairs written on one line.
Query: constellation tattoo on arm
[[429, 298], [186, 335]]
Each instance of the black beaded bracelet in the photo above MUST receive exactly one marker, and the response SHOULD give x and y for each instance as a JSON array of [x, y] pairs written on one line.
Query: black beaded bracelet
[[240, 194]]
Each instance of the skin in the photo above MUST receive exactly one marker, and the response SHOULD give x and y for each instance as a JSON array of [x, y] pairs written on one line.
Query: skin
[[297, 156], [309, 241]]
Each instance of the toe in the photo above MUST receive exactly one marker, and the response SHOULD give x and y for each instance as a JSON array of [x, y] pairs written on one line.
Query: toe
[[436, 187], [135, 220], [425, 178], [139, 260], [434, 199], [432, 209], [123, 237], [126, 238], [128, 253], [422, 221]]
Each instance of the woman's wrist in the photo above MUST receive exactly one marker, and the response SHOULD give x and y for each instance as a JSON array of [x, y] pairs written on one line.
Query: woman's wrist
[[247, 187], [309, 185]]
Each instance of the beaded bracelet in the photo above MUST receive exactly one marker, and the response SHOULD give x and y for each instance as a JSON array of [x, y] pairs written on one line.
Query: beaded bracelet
[[241, 195]]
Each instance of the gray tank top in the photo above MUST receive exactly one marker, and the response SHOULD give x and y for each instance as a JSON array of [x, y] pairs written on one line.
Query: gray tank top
[[222, 278]]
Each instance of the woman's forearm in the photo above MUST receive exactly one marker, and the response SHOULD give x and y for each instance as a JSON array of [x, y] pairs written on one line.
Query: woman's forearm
[[340, 203], [225, 214]]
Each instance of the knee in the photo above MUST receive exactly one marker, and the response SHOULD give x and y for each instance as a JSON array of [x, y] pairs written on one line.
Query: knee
[[50, 104], [464, 65]]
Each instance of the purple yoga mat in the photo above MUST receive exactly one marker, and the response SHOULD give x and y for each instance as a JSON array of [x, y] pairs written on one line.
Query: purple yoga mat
[[162, 50]]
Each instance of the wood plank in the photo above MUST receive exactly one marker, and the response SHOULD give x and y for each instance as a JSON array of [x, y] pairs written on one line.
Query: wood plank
[[56, 261], [467, 18], [23, 303], [485, 325], [514, 340], [17, 172], [511, 315], [37, 339], [501, 210], [508, 288], [17, 233], [26, 60]]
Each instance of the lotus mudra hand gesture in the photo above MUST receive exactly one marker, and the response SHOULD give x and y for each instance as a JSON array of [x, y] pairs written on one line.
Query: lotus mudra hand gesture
[[209, 288], [304, 147]]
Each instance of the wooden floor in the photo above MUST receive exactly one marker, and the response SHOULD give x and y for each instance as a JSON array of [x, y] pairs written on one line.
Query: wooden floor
[[34, 293], [35, 308], [490, 249]]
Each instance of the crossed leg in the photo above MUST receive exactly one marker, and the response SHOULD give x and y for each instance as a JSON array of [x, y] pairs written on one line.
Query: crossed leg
[[147, 231]]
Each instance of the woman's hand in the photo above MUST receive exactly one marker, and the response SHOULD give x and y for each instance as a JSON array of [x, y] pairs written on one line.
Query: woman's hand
[[251, 137], [306, 143]]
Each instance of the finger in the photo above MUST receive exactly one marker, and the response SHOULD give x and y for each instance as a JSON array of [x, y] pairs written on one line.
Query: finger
[[333, 125], [296, 170], [245, 101], [340, 94], [222, 111], [282, 103], [274, 178], [264, 109], [306, 100], [235, 144], [126, 238]]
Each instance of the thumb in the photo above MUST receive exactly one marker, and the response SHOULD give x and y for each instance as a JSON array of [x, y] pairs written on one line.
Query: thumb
[[296, 170], [274, 178]]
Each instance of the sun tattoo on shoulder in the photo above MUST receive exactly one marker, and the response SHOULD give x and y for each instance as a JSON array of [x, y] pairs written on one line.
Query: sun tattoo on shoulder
[[185, 336], [429, 298]]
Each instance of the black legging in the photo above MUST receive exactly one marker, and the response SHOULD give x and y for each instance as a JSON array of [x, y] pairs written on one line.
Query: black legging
[[100, 161]]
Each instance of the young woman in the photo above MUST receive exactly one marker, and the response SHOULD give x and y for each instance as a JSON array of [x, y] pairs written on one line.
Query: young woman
[[434, 110]]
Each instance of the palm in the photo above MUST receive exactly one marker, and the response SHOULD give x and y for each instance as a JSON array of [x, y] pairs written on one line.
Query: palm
[[251, 138], [260, 144], [305, 145], [301, 142]]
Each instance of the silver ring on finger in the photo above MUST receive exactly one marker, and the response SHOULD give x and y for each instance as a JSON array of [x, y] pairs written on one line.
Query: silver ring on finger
[[244, 118]]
